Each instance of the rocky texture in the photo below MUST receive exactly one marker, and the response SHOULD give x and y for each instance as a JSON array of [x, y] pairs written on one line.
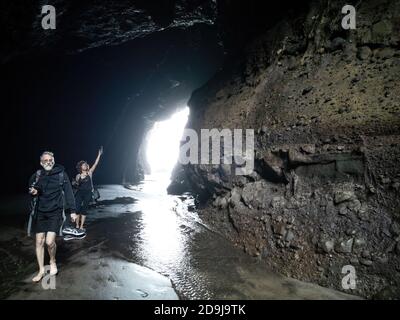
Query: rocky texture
[[325, 107], [91, 24]]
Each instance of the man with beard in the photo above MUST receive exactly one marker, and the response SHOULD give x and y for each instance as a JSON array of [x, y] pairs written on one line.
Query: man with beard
[[52, 195]]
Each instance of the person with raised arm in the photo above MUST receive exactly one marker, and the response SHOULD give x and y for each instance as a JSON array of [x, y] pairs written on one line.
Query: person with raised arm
[[85, 188]]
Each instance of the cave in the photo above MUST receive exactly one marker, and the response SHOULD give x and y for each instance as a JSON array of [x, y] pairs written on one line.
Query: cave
[[129, 76]]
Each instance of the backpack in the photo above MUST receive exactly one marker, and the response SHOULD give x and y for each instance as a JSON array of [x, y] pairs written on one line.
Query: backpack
[[95, 192]]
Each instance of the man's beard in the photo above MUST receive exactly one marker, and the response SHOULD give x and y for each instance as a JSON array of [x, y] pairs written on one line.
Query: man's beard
[[48, 166]]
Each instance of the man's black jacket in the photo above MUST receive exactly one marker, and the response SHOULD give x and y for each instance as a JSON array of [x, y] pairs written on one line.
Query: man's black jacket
[[50, 190]]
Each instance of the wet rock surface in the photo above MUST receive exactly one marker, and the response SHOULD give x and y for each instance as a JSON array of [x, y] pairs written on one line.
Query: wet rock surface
[[93, 274], [325, 110], [146, 251]]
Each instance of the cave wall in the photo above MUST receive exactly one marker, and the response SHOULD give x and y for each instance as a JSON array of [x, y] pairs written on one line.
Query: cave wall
[[324, 103]]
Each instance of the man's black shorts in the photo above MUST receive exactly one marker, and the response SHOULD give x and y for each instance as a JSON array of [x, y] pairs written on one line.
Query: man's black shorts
[[48, 221]]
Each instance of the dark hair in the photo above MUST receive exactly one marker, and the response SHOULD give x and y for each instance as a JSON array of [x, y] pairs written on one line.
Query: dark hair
[[79, 165]]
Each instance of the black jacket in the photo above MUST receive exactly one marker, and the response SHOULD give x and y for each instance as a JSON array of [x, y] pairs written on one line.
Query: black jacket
[[50, 190]]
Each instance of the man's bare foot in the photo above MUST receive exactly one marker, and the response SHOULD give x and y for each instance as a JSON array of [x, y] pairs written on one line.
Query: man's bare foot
[[39, 276], [53, 269]]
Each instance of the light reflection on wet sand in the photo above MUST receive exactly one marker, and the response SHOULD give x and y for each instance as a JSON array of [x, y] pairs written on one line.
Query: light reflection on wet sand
[[171, 240]]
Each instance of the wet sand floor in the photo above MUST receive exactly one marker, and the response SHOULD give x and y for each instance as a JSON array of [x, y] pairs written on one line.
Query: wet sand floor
[[152, 247]]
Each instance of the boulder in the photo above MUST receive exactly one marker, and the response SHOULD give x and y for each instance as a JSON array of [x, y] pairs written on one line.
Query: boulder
[[343, 196], [255, 194], [354, 205], [366, 262], [358, 244], [308, 148], [289, 236], [223, 203], [345, 246], [328, 245], [235, 197], [279, 228], [364, 53]]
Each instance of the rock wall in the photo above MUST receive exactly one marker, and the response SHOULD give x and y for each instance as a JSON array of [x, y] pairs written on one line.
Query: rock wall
[[324, 103], [91, 24]]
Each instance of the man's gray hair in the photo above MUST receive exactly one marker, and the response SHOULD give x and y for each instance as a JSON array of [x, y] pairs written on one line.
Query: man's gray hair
[[48, 153]]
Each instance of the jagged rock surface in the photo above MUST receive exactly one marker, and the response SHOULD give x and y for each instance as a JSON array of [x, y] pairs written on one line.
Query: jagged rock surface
[[90, 24], [325, 106]]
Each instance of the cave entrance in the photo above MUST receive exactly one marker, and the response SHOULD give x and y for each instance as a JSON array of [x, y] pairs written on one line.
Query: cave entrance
[[163, 142]]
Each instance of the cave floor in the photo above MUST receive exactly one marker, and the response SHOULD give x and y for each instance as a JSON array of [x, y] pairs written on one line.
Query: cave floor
[[143, 244]]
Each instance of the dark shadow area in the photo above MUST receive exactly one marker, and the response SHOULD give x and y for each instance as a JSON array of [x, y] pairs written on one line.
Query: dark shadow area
[[72, 104]]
